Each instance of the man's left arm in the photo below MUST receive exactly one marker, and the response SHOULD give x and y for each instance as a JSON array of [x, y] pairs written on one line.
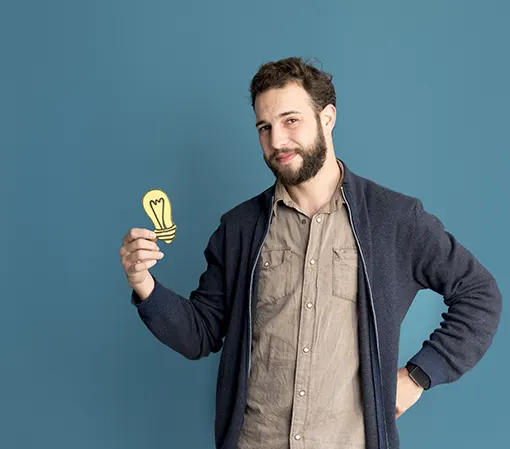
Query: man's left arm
[[440, 263]]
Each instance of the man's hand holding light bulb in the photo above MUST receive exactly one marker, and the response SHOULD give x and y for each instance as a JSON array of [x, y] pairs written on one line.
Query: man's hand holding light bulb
[[139, 251]]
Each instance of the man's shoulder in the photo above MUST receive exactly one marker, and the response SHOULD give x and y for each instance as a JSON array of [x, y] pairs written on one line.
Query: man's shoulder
[[381, 196]]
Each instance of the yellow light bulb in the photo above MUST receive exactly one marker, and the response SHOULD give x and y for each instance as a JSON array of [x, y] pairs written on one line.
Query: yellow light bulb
[[157, 206]]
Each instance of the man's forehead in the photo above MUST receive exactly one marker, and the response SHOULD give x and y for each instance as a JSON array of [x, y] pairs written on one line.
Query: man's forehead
[[278, 101]]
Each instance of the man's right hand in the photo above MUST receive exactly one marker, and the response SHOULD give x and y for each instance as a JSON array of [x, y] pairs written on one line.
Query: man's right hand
[[138, 253]]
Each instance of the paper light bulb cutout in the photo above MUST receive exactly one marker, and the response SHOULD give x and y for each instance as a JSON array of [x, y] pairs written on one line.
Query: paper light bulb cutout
[[158, 208]]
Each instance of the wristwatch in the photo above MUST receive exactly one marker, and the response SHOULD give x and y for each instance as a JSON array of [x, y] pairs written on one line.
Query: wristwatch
[[419, 376]]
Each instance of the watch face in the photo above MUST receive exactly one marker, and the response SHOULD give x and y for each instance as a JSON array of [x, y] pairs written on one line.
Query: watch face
[[420, 377]]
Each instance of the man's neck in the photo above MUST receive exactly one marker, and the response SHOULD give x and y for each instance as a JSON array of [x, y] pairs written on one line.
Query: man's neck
[[314, 193]]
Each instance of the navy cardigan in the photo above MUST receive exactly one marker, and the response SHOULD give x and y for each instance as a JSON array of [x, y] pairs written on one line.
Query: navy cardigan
[[403, 249]]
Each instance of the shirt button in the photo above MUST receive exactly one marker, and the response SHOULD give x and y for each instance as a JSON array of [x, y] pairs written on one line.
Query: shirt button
[[297, 437], [303, 221], [319, 219], [312, 261], [309, 305], [306, 349], [302, 393], [266, 264]]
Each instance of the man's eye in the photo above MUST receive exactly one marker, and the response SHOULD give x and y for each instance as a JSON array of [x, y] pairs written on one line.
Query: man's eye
[[263, 128], [292, 120]]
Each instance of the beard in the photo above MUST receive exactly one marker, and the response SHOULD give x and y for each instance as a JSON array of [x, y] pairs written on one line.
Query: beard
[[313, 157]]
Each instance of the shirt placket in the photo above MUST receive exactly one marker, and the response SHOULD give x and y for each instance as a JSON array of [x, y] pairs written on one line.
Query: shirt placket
[[305, 336]]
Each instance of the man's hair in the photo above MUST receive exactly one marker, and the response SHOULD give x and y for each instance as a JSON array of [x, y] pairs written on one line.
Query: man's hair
[[277, 74]]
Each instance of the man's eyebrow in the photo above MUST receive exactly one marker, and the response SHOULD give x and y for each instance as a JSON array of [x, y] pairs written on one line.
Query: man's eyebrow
[[283, 114]]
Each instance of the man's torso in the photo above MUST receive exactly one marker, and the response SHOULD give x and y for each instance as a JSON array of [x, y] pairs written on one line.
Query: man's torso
[[304, 387]]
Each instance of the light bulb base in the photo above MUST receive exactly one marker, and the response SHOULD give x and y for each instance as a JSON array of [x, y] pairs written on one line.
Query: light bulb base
[[166, 235]]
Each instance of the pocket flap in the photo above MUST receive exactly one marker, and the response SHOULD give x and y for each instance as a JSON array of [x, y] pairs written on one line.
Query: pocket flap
[[346, 253], [273, 257]]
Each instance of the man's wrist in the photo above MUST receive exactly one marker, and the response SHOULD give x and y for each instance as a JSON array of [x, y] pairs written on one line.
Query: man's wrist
[[145, 288]]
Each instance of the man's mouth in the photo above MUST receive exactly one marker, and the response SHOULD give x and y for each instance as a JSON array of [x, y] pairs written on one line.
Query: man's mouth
[[285, 157]]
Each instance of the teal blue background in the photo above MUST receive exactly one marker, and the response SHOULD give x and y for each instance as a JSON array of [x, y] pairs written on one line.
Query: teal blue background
[[101, 101]]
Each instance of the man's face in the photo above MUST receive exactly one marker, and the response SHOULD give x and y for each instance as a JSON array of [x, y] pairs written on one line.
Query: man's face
[[290, 134]]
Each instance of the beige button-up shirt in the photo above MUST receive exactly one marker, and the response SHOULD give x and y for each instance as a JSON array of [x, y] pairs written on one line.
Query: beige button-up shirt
[[304, 388]]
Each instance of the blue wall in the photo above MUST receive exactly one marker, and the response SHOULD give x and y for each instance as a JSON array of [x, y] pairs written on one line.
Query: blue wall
[[103, 100]]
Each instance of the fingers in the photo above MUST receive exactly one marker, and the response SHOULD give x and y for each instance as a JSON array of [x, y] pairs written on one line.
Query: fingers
[[142, 255], [139, 252], [139, 266], [138, 233], [138, 244]]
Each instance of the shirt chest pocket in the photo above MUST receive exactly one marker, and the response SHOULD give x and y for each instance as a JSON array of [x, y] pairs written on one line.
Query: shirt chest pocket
[[275, 278], [345, 273]]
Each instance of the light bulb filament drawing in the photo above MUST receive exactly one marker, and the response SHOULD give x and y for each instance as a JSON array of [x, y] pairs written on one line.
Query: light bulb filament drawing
[[160, 215]]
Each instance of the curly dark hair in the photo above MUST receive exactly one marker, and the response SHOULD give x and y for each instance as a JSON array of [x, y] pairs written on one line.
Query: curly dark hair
[[277, 74]]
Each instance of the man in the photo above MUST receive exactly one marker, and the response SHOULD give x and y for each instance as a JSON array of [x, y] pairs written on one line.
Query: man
[[307, 285]]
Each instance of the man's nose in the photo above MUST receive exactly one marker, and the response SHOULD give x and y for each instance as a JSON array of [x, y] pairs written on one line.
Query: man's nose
[[278, 139]]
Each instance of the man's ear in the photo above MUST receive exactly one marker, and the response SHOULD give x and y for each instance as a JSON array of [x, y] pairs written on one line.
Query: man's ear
[[328, 117]]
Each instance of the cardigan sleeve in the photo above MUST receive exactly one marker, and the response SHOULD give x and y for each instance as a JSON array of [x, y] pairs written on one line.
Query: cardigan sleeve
[[470, 292]]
